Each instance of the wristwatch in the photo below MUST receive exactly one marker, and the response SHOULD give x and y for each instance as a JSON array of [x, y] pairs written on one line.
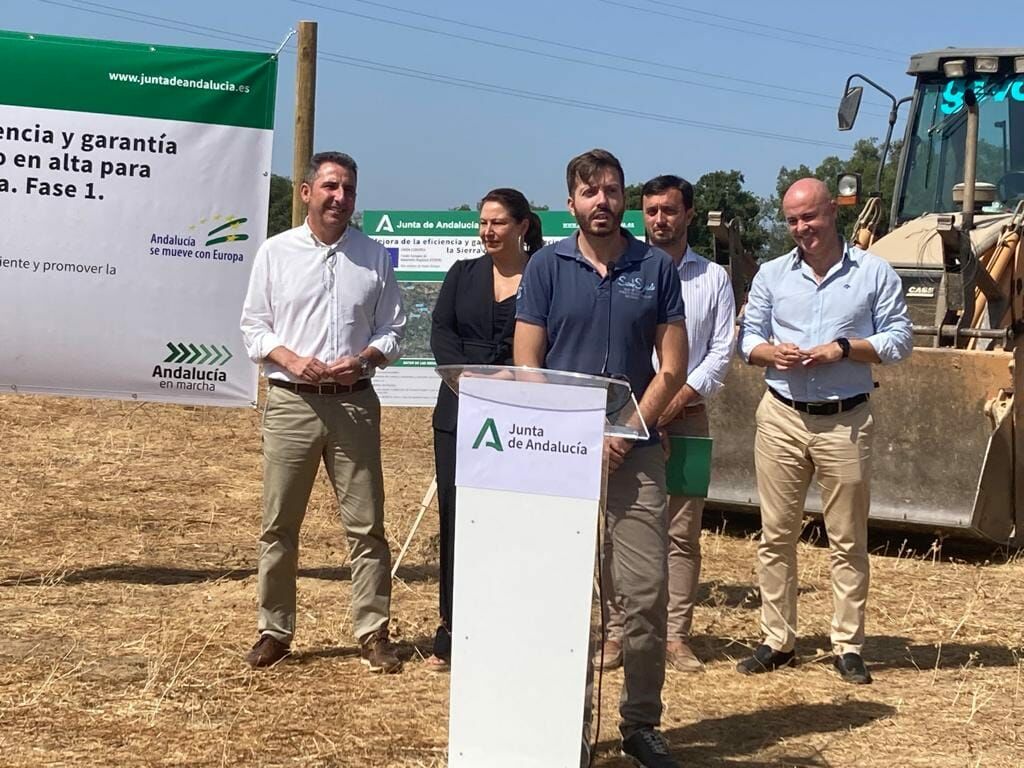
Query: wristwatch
[[366, 364], [844, 344]]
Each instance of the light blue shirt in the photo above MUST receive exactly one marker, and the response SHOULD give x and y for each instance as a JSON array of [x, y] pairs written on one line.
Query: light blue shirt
[[861, 297]]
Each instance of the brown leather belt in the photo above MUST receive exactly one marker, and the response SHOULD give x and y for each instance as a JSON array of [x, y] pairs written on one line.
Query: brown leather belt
[[827, 408], [320, 389]]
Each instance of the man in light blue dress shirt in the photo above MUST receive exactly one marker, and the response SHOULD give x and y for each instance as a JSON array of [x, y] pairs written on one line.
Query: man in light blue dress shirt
[[817, 319]]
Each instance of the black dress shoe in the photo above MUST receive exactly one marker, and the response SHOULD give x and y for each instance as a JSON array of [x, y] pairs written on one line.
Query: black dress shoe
[[765, 659], [851, 668]]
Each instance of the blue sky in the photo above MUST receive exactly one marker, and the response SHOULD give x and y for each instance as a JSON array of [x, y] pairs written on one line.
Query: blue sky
[[664, 84]]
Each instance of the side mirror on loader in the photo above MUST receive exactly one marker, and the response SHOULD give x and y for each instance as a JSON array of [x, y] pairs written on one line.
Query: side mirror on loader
[[849, 106]]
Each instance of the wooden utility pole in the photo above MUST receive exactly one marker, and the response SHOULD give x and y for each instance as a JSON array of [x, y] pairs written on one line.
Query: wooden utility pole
[[305, 106]]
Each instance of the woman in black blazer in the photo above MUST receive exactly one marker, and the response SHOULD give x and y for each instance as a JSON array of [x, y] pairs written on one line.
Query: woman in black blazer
[[473, 322]]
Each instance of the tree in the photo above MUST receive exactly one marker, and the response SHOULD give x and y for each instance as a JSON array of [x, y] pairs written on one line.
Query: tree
[[867, 154], [463, 207], [280, 212], [538, 207], [634, 200], [723, 191]]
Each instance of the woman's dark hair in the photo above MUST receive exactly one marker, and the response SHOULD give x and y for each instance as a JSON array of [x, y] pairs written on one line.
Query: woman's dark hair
[[518, 207]]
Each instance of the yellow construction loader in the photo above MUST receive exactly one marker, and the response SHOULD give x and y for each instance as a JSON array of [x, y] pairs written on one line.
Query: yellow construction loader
[[948, 453]]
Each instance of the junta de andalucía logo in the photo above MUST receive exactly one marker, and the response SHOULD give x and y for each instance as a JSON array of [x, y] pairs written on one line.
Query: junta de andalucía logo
[[488, 429]]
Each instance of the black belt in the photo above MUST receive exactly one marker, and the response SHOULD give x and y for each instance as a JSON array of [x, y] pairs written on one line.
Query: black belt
[[827, 408], [320, 389]]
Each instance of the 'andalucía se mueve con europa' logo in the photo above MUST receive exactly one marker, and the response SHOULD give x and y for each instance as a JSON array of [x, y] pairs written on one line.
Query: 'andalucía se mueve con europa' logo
[[226, 229], [521, 438]]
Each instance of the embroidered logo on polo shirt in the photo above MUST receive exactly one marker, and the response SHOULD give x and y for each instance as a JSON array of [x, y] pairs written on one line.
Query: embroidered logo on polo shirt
[[634, 287]]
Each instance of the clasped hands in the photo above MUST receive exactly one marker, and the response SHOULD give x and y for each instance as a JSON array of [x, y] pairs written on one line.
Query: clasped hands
[[345, 370], [788, 356]]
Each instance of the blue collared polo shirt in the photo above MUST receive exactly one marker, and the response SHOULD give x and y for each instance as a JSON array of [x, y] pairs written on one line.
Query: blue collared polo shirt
[[590, 319]]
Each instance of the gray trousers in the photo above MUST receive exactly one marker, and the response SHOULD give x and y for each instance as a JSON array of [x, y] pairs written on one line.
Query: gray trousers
[[342, 431], [633, 568]]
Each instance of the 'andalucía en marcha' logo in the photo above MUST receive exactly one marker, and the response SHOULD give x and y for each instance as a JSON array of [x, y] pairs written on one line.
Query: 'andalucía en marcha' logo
[[199, 366], [521, 438]]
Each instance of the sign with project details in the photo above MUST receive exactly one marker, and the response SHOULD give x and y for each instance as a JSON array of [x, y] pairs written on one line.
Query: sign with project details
[[134, 182], [423, 246]]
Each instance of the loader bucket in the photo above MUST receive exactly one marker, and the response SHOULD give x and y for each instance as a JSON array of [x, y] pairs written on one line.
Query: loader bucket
[[938, 464]]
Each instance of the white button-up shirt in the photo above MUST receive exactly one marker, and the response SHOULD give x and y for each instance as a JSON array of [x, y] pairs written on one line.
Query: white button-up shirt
[[710, 321], [321, 300]]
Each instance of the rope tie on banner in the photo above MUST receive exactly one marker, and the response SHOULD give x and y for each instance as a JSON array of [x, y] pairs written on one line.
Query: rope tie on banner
[[289, 36]]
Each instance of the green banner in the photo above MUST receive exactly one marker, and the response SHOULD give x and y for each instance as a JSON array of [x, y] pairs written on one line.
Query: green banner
[[466, 223], [191, 84]]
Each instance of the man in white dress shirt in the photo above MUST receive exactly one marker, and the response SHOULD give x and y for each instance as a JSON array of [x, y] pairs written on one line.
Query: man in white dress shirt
[[323, 311], [667, 204]]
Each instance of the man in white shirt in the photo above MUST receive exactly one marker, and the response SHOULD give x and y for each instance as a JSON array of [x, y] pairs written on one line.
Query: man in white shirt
[[667, 204], [323, 310]]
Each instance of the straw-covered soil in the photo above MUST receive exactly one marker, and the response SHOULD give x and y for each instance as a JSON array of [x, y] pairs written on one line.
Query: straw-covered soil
[[127, 599]]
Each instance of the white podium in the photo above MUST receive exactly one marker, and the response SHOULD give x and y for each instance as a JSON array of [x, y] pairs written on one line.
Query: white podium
[[529, 488]]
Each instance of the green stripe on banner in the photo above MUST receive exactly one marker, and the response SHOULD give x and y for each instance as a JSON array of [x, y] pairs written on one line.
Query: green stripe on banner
[[466, 223], [190, 84], [407, 276], [415, 362]]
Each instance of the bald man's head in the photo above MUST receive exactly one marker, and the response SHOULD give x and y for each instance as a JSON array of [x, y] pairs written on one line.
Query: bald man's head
[[810, 189], [810, 215]]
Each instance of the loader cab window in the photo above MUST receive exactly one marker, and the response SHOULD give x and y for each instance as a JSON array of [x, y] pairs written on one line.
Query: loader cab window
[[936, 153]]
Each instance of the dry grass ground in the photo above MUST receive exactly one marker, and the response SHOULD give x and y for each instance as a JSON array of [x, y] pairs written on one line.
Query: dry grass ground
[[127, 598]]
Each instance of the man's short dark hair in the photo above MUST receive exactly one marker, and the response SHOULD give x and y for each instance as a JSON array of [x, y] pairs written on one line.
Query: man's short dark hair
[[338, 158], [659, 185], [586, 166]]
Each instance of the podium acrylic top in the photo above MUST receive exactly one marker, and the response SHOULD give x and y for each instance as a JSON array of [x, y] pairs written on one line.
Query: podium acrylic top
[[622, 415]]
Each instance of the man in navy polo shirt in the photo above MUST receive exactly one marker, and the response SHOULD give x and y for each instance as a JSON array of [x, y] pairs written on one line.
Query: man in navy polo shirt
[[601, 302]]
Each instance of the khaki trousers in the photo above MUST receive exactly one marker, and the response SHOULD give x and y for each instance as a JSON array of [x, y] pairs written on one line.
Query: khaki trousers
[[633, 568], [343, 431], [684, 519], [789, 449]]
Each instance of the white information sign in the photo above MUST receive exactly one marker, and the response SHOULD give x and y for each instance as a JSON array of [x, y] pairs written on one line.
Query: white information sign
[[133, 182], [423, 246]]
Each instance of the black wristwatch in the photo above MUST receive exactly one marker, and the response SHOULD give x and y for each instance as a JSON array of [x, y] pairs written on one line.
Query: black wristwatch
[[366, 364], [844, 344]]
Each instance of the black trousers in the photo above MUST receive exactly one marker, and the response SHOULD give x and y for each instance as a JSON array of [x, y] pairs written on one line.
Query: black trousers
[[444, 464]]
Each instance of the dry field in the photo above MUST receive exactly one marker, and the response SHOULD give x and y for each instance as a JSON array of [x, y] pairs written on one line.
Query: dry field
[[127, 598]]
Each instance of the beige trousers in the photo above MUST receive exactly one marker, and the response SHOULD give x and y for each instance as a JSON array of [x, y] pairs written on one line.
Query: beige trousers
[[342, 431], [789, 449], [684, 519]]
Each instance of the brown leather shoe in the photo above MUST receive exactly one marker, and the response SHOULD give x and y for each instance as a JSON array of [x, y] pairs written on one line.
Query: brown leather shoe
[[681, 657], [267, 652], [377, 653], [612, 655]]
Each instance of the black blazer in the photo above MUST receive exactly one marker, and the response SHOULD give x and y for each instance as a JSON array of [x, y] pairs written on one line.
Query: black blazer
[[462, 329]]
